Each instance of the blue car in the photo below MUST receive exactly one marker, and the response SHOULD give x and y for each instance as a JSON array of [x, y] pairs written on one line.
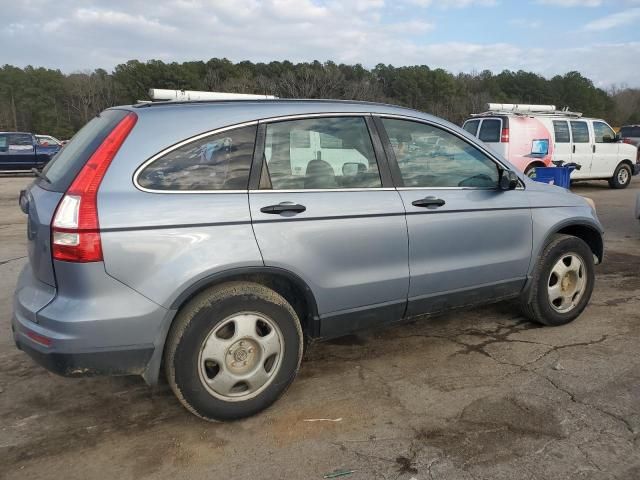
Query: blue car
[[23, 151]]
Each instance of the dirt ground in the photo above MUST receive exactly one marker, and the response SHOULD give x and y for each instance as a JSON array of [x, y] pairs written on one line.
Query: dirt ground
[[480, 394]]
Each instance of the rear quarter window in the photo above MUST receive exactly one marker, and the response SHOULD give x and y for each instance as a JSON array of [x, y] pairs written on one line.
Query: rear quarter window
[[219, 161], [65, 165]]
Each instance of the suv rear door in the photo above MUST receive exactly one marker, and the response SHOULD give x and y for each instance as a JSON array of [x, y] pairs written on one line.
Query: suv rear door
[[468, 240], [332, 217]]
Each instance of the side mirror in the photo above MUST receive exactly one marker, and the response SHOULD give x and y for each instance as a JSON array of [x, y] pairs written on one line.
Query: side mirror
[[607, 139], [508, 180]]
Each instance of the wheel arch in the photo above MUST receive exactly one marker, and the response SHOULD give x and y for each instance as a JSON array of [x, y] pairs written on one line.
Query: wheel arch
[[628, 162], [293, 288], [534, 164], [588, 233]]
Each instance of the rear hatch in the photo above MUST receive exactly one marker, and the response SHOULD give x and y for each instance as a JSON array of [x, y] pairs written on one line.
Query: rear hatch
[[42, 197]]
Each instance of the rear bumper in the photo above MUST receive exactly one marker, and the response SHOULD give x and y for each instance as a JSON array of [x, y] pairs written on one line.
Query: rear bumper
[[117, 362], [92, 324]]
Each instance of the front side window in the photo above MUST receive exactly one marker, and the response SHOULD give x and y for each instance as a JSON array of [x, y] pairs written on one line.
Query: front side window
[[319, 153], [490, 130], [46, 141], [218, 162], [561, 128], [472, 127], [602, 130], [433, 158], [580, 132]]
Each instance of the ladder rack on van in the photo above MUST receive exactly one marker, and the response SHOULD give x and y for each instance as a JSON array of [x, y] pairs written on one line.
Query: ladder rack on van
[[526, 110]]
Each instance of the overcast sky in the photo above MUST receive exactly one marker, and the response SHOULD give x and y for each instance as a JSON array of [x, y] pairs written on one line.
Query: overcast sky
[[600, 38]]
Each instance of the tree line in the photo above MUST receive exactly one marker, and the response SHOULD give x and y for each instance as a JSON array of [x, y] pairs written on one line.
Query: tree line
[[48, 101]]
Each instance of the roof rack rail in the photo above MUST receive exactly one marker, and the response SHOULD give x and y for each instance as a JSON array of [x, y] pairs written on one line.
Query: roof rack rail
[[163, 95], [526, 110]]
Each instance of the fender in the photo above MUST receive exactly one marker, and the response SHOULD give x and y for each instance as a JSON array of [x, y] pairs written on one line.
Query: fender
[[597, 246]]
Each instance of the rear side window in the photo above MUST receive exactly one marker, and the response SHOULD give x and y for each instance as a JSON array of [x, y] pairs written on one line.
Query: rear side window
[[65, 165], [472, 127], [319, 153], [20, 141], [630, 132], [561, 131], [490, 130], [217, 162], [4, 144], [580, 132]]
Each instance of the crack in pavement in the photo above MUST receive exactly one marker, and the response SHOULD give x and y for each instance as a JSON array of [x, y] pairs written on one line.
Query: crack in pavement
[[4, 262]]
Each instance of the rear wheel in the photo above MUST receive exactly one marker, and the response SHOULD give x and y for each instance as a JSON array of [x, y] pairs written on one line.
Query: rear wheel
[[233, 350], [562, 283], [530, 171], [621, 177]]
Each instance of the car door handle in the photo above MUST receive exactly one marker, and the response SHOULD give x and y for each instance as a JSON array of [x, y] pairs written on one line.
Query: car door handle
[[428, 202], [283, 207], [574, 149], [594, 149]]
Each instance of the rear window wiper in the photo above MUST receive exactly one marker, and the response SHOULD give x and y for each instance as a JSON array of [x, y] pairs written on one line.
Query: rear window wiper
[[41, 175]]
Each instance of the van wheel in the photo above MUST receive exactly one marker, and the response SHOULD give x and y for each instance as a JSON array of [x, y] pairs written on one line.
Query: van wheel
[[621, 177], [233, 350], [562, 282], [530, 171]]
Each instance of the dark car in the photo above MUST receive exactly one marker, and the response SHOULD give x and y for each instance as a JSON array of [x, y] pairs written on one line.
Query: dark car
[[630, 134], [22, 151]]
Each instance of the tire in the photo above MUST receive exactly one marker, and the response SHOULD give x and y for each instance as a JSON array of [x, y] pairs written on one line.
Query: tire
[[254, 346], [531, 170], [551, 300], [621, 177]]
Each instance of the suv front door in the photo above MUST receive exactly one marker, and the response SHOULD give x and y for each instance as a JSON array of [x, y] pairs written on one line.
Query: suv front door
[[468, 240], [326, 210]]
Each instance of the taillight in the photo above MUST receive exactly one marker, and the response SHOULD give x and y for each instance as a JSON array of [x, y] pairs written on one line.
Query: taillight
[[504, 138], [75, 233], [627, 140]]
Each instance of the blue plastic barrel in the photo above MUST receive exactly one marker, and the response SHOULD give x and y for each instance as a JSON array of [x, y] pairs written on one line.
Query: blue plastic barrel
[[560, 176]]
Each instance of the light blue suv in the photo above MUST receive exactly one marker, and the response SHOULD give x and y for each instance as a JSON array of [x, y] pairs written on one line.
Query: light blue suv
[[216, 238]]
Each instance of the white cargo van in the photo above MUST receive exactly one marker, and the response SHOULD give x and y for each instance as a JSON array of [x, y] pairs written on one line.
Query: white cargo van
[[531, 136]]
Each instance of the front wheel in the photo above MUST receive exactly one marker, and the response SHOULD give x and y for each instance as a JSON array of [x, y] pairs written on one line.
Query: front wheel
[[530, 171], [233, 350], [562, 282], [621, 177]]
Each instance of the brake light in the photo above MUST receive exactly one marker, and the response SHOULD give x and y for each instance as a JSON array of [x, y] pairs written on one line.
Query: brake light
[[627, 140], [75, 234], [504, 138]]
